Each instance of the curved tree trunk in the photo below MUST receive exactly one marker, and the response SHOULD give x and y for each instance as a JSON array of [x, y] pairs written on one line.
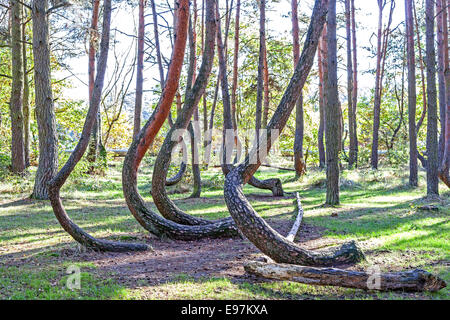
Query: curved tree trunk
[[45, 110], [58, 181], [150, 220], [249, 222]]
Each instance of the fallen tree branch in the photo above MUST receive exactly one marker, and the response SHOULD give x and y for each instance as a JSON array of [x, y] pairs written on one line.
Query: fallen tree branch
[[296, 227], [414, 280]]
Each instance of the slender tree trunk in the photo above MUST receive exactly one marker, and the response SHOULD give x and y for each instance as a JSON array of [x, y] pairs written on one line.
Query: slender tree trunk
[[45, 110], [445, 162], [422, 73], [265, 114], [432, 143], [332, 130], [353, 149], [322, 101], [411, 94], [26, 94], [94, 149], [234, 86], [260, 82], [299, 162], [354, 82], [377, 98], [441, 77], [16, 104], [139, 70]]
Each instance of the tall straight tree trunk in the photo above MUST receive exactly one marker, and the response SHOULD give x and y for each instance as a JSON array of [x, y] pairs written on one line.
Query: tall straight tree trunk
[[265, 114], [332, 130], [139, 70], [45, 110], [235, 78], [260, 82], [411, 93], [432, 143], [26, 94], [321, 52], [441, 77], [351, 111], [377, 98], [17, 131], [354, 82], [422, 72], [299, 162], [445, 161]]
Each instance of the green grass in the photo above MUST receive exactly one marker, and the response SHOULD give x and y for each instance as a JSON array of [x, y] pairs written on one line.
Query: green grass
[[377, 209]]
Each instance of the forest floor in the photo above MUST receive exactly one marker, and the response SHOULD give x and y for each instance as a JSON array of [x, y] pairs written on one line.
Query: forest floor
[[396, 227]]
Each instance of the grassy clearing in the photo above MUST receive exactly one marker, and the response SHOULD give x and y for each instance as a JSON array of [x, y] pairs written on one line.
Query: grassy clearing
[[378, 210]]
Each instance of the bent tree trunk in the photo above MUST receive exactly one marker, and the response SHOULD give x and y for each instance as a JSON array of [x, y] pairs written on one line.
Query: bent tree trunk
[[58, 181], [414, 280], [45, 110], [151, 221], [249, 222]]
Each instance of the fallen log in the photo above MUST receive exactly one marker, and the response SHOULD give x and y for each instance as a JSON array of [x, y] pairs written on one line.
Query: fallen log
[[414, 280], [296, 226]]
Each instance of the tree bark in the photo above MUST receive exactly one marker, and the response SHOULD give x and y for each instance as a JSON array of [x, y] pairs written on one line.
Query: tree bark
[[355, 82], [237, 142], [45, 110], [139, 70], [94, 146], [299, 162], [432, 143], [353, 149], [249, 222], [16, 104], [260, 82], [445, 162], [332, 129], [26, 93], [412, 281], [413, 179], [321, 53]]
